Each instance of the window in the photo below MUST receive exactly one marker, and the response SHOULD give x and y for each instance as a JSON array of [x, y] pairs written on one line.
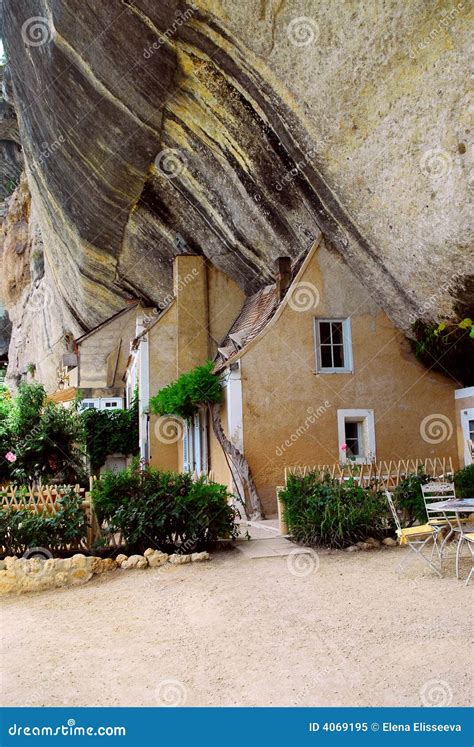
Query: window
[[356, 432], [89, 404], [333, 346], [195, 448], [111, 404]]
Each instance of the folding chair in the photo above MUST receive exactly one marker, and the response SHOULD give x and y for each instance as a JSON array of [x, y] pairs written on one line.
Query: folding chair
[[416, 537], [469, 538], [433, 492]]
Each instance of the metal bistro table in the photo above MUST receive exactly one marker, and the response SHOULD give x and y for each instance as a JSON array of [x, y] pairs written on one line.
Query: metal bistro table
[[455, 507]]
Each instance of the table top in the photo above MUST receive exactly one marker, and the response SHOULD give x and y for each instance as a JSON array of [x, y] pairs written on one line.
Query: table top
[[454, 504]]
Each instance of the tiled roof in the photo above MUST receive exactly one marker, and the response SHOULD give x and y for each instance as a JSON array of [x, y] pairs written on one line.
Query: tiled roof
[[255, 314]]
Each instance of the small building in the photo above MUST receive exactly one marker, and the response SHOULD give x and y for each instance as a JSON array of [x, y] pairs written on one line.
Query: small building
[[96, 365], [315, 372], [169, 341]]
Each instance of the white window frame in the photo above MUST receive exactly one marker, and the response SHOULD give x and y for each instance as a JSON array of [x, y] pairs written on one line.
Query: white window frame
[[118, 403], [346, 342], [367, 419], [86, 404]]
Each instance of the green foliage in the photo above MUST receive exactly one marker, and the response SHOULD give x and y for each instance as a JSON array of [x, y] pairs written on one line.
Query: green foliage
[[43, 437], [409, 498], [464, 482], [184, 396], [166, 510], [110, 432], [322, 511], [448, 348], [21, 529]]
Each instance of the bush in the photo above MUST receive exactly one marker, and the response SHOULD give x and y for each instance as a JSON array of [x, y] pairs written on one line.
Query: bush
[[409, 498], [322, 511], [166, 510], [43, 438], [184, 396], [110, 432], [464, 482], [22, 528]]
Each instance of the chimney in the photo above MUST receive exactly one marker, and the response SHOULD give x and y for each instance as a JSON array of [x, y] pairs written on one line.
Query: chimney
[[283, 276]]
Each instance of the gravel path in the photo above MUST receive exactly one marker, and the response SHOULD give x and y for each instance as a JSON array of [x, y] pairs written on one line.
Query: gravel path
[[249, 632]]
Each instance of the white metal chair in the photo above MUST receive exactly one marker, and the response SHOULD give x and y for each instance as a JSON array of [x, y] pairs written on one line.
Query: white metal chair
[[433, 492], [416, 538], [469, 538]]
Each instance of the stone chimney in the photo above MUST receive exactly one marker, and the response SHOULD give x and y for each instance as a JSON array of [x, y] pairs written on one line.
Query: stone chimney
[[283, 276]]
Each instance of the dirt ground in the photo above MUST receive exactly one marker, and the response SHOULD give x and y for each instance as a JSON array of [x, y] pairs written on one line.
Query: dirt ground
[[245, 632]]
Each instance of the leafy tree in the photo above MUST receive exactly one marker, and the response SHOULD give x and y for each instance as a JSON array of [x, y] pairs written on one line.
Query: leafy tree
[[110, 432]]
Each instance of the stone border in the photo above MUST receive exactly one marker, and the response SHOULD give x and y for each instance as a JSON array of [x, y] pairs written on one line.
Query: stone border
[[19, 575]]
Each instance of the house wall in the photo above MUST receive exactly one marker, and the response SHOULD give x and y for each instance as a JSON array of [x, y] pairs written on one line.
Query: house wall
[[97, 353], [206, 303], [464, 400], [290, 411], [162, 366]]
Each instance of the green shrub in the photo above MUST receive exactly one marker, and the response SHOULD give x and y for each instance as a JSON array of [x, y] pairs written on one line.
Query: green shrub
[[409, 498], [185, 395], [464, 482], [43, 437], [22, 528], [166, 510], [322, 511], [110, 432]]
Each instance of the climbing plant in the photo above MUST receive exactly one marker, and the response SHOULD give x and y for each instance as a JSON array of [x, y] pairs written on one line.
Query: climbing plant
[[184, 396], [201, 387], [447, 347], [110, 432]]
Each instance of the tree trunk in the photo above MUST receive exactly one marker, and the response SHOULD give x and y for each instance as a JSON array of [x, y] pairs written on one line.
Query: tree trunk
[[238, 465]]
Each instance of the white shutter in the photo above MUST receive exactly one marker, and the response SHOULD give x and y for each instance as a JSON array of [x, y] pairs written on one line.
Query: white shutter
[[197, 443], [186, 460], [204, 442]]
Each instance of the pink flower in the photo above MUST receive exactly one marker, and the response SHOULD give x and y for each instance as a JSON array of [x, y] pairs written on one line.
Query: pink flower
[[343, 447], [10, 456]]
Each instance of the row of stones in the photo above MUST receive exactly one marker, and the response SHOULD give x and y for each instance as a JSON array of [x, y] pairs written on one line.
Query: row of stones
[[22, 575], [372, 544]]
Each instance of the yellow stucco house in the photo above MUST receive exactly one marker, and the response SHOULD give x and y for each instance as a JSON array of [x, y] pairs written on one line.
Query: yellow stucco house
[[313, 372]]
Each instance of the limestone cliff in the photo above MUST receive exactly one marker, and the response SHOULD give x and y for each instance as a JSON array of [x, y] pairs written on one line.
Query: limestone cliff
[[239, 130]]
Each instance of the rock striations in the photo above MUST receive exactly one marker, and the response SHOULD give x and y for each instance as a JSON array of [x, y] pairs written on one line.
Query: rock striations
[[239, 131]]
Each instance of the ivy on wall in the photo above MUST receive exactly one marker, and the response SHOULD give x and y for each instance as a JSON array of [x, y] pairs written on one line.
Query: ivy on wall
[[110, 432]]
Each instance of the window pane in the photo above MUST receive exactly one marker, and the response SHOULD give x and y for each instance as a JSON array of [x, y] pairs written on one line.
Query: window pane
[[338, 353], [324, 332], [471, 429], [326, 358], [337, 338], [352, 439]]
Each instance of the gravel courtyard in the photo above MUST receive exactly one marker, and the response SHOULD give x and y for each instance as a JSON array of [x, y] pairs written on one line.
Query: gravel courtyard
[[249, 632]]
